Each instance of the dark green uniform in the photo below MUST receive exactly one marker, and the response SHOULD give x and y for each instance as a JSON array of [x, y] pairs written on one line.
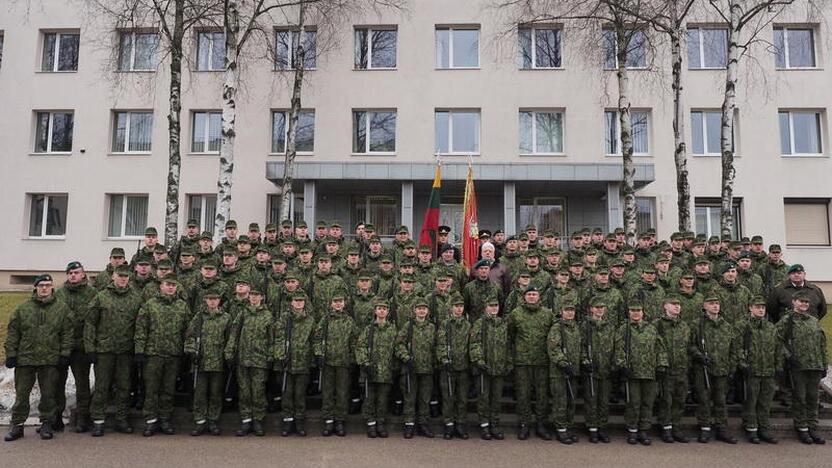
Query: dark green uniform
[[565, 344], [640, 350], [250, 347], [761, 358], [334, 345], [805, 344], [490, 351], [673, 385], [529, 326], [415, 349], [721, 349], [598, 354], [294, 353], [205, 341], [452, 354], [374, 352]]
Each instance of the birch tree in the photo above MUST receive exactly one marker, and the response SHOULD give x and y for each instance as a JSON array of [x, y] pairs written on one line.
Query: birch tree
[[286, 192]]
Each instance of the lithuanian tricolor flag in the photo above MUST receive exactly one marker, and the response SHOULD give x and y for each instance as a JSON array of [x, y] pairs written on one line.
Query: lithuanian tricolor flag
[[427, 236]]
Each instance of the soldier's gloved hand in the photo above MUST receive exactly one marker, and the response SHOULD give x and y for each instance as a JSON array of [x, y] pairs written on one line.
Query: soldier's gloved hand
[[625, 373], [63, 361], [483, 367], [92, 358], [140, 358], [704, 360], [568, 370], [446, 365], [409, 365], [11, 362]]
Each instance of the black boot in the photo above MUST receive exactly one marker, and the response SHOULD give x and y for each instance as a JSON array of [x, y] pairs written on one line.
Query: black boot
[[804, 437], [408, 431], [667, 436], [542, 432], [150, 429], [371, 431], [461, 431], [257, 427], [398, 408], [816, 438], [485, 434], [523, 432], [339, 429], [723, 436], [495, 431], [563, 437], [83, 423], [199, 429], [643, 438], [58, 426], [98, 429], [704, 436], [434, 409], [213, 428], [15, 432], [572, 436], [752, 437], [679, 436], [424, 430], [766, 436], [244, 430], [329, 427], [123, 427], [632, 437], [382, 431], [448, 432], [166, 427], [300, 427], [593, 436], [355, 406], [286, 428], [602, 436]]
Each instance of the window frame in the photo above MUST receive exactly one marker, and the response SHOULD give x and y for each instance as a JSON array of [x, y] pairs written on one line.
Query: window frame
[[133, 34], [204, 224], [290, 49], [786, 55], [367, 200], [559, 31], [123, 217], [809, 201], [285, 112], [44, 214], [535, 112], [701, 51], [206, 132], [370, 30], [50, 129], [652, 205], [368, 138], [56, 53], [451, 30], [212, 67], [534, 202], [273, 201], [818, 121], [451, 112], [615, 51], [126, 150], [705, 133], [715, 204], [617, 121]]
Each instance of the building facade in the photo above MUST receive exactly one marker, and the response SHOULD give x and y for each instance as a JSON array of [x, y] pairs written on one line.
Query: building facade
[[84, 127]]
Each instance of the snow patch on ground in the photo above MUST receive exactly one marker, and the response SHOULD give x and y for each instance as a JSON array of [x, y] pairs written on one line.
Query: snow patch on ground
[[7, 398]]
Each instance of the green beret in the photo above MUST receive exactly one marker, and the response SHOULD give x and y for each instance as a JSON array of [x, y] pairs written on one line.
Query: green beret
[[726, 266], [73, 265], [42, 278], [796, 268], [482, 263]]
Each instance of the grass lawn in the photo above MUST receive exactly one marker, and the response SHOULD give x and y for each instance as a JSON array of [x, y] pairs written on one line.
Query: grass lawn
[[8, 301]]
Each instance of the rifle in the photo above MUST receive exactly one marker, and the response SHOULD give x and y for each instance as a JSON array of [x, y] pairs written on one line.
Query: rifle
[[410, 352], [627, 334], [287, 351], [195, 360], [484, 353], [704, 351], [591, 361], [790, 347], [236, 356], [323, 359], [449, 351], [569, 391], [367, 376]]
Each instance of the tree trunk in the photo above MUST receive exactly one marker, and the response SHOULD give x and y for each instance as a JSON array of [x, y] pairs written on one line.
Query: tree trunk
[[680, 151], [625, 123], [294, 113], [174, 125], [229, 117], [729, 104]]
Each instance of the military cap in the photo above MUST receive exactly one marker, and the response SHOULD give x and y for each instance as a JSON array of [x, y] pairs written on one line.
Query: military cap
[[210, 295], [532, 253], [531, 288], [117, 252], [523, 236], [445, 247], [424, 249], [524, 274], [576, 263], [262, 248], [410, 244], [301, 224], [711, 298], [635, 306], [702, 260], [374, 239], [745, 254], [271, 227], [492, 301], [801, 296], [353, 250], [186, 251], [567, 306], [482, 263], [662, 260], [602, 271], [618, 263], [304, 249], [206, 235], [597, 302], [563, 271], [42, 278], [386, 259], [725, 238], [231, 224], [644, 235], [277, 260], [726, 266], [591, 251], [577, 235], [456, 298], [713, 240], [209, 264], [244, 239], [151, 231], [610, 237], [671, 299], [382, 303], [160, 248], [484, 234], [335, 224], [757, 239], [192, 223], [420, 302], [369, 227], [286, 223], [651, 231], [402, 229], [365, 275], [337, 297], [734, 244], [122, 270], [320, 224], [619, 230], [745, 241], [406, 263], [443, 229], [757, 300], [165, 264], [407, 279], [254, 227], [324, 258], [242, 280], [330, 240], [498, 231], [628, 249], [699, 241], [256, 292], [796, 268], [774, 248], [230, 251], [688, 275], [648, 270], [142, 261], [597, 230], [676, 236], [171, 278], [73, 265], [530, 227], [291, 275], [299, 296], [511, 238]]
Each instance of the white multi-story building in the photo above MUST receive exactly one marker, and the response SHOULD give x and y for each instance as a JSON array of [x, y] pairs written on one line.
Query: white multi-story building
[[83, 109]]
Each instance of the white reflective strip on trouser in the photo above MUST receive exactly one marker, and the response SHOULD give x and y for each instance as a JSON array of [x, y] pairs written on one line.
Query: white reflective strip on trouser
[[449, 424], [803, 429], [593, 429], [246, 421], [288, 419], [201, 421], [356, 400], [329, 421], [151, 421], [706, 428], [409, 424], [561, 430], [371, 423], [667, 428], [99, 421], [632, 431], [484, 425]]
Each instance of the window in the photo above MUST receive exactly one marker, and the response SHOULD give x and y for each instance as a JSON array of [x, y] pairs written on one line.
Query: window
[[128, 216], [457, 131], [210, 51], [794, 48], [539, 48], [541, 132], [381, 211], [206, 133], [645, 213], [636, 49], [708, 219], [203, 208], [707, 48], [807, 221], [286, 44], [132, 131], [137, 50], [375, 48], [706, 130], [543, 212], [800, 133], [457, 47], [305, 137], [53, 132], [640, 121], [47, 215], [60, 52], [295, 207], [373, 131]]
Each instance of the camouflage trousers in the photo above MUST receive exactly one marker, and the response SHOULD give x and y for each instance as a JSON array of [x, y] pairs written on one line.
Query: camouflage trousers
[[673, 390], [336, 393], [563, 402], [251, 391], [112, 371], [24, 380], [638, 412], [488, 404], [597, 405], [417, 400], [208, 396], [294, 400], [759, 393], [81, 373], [805, 398], [159, 386], [376, 402], [454, 386], [711, 409], [532, 383]]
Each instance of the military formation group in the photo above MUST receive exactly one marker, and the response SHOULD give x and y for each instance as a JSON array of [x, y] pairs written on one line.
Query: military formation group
[[266, 320]]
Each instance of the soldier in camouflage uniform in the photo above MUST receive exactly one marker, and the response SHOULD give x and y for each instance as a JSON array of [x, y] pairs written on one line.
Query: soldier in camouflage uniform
[[151, 238], [415, 350], [109, 332], [641, 358], [77, 294], [208, 282], [205, 342], [690, 299], [565, 348], [452, 355], [105, 277], [648, 293], [334, 338], [772, 269], [602, 289], [477, 291], [39, 340], [294, 354], [490, 352], [230, 239], [733, 296], [714, 351], [159, 343], [806, 361], [539, 278], [205, 250], [239, 302], [705, 281], [529, 326], [761, 359], [324, 284], [673, 384], [142, 275], [560, 292], [374, 353], [401, 305], [597, 369], [231, 268], [186, 269], [385, 282], [747, 276]]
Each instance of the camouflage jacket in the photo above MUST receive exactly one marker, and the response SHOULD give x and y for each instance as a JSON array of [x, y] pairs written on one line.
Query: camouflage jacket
[[440, 306], [612, 297], [513, 262], [250, 339], [231, 275], [202, 286], [39, 332], [234, 306], [750, 280], [539, 279], [139, 283], [385, 285], [558, 296], [565, 345], [528, 327], [110, 326], [691, 303], [733, 301], [639, 347], [705, 284], [772, 274], [335, 336], [452, 343], [401, 307], [762, 351], [489, 344], [651, 296], [363, 305], [804, 340], [599, 345], [322, 287], [78, 298], [294, 341], [160, 326], [104, 278], [375, 350], [720, 344], [416, 341], [206, 339], [780, 299], [675, 334], [476, 293]]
